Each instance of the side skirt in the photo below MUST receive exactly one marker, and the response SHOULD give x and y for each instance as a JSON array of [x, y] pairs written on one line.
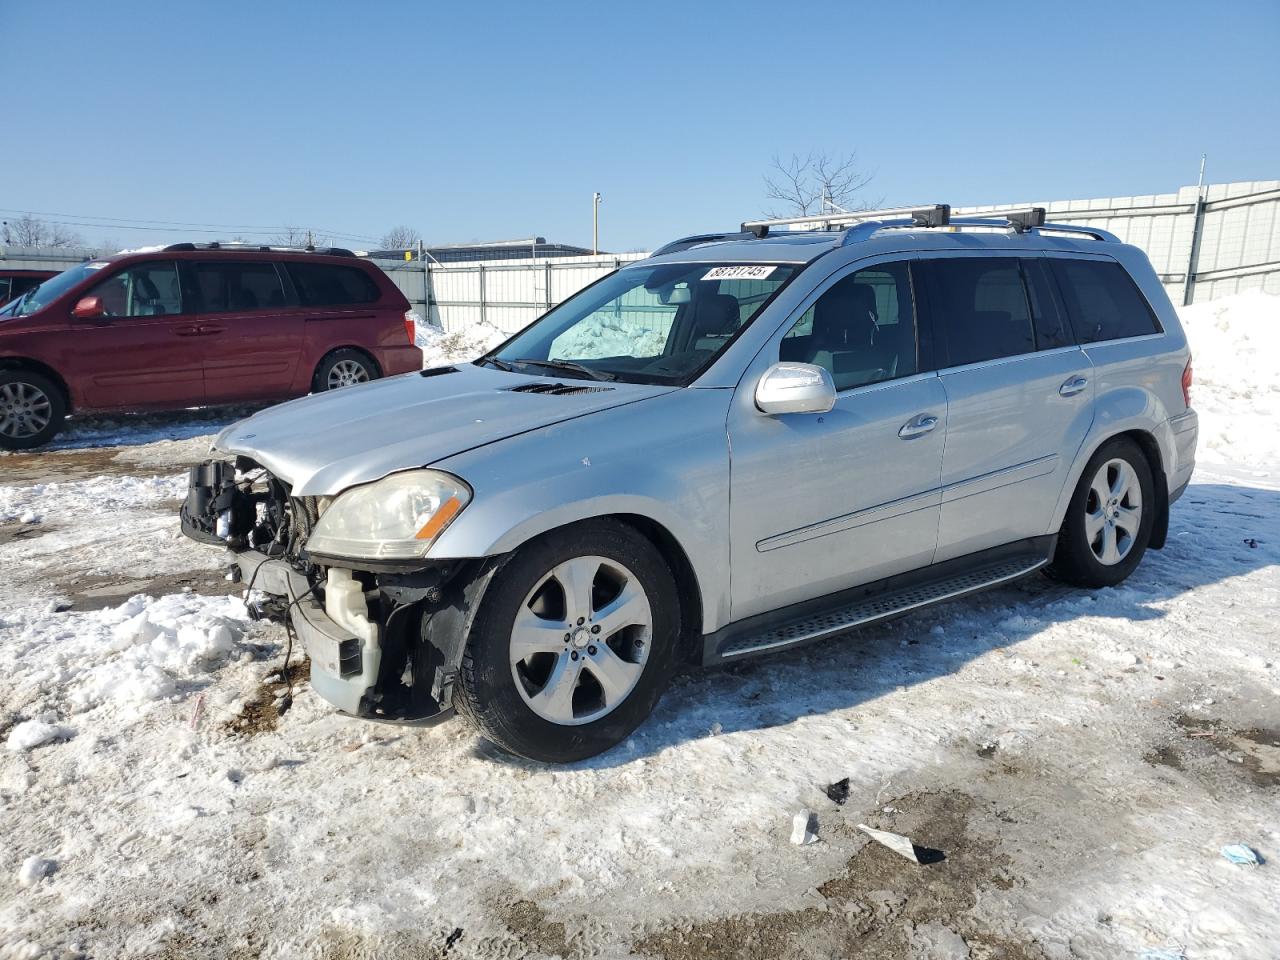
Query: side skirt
[[882, 600]]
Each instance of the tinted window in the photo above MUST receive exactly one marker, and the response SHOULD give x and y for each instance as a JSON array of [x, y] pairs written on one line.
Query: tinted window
[[1102, 300], [981, 308], [1050, 322], [329, 285], [144, 290], [862, 330], [236, 287]]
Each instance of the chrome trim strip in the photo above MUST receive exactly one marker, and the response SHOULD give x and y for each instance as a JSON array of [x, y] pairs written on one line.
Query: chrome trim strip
[[913, 606], [848, 521], [1015, 358], [996, 479]]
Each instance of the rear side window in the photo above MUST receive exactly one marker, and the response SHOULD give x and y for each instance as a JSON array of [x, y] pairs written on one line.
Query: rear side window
[[1102, 300], [1050, 322], [330, 285], [238, 287], [980, 307]]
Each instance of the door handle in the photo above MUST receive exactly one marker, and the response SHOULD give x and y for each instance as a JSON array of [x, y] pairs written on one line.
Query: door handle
[[1073, 386], [188, 331], [918, 426], [208, 330]]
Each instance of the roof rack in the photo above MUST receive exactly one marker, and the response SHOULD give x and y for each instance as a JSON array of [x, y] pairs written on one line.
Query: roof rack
[[236, 245]]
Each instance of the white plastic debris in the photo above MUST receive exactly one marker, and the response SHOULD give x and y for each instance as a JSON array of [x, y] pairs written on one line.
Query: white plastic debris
[[899, 844], [35, 869], [804, 828]]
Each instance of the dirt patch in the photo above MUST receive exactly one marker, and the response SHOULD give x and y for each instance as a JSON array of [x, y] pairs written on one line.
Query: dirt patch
[[15, 530], [98, 592], [1253, 751], [529, 923], [880, 906], [53, 466], [262, 714]]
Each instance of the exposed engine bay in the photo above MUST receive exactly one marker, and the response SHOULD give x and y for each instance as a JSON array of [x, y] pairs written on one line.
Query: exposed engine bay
[[384, 639]]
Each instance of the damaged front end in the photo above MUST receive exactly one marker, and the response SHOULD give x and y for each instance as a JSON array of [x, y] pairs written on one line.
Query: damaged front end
[[384, 637]]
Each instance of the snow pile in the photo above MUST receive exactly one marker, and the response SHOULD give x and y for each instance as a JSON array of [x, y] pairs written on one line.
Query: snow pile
[[72, 501], [36, 733], [606, 335], [1235, 351], [440, 348], [141, 651], [35, 869]]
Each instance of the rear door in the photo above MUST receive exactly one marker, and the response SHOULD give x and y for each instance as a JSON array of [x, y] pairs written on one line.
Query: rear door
[[340, 309], [145, 349], [250, 335], [821, 502], [1019, 397]]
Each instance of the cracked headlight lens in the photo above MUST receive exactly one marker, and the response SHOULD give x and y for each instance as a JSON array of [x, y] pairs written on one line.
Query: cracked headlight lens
[[396, 518]]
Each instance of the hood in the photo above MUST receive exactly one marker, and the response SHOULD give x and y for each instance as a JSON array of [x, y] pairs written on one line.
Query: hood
[[327, 442]]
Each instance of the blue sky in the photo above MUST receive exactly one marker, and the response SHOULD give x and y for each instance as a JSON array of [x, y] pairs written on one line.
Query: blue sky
[[475, 121]]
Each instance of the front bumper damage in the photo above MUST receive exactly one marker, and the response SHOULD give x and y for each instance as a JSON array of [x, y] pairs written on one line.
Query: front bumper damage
[[384, 644]]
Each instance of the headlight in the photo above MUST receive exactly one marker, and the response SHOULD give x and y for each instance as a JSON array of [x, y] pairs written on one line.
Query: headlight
[[396, 518]]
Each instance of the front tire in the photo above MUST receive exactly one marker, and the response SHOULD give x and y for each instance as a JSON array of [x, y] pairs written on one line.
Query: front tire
[[32, 409], [1109, 520], [573, 645]]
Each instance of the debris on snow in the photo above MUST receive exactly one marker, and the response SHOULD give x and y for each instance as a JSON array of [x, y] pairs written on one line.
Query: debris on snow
[[1241, 854], [896, 842], [804, 827], [838, 792], [35, 869], [36, 733]]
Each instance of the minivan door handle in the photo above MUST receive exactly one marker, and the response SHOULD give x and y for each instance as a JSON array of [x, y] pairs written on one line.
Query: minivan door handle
[[918, 426], [1073, 386]]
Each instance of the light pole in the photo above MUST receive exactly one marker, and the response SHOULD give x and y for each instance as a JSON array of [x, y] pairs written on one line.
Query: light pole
[[595, 221]]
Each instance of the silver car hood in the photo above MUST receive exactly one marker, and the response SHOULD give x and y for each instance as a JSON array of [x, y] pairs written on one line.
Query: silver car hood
[[327, 442]]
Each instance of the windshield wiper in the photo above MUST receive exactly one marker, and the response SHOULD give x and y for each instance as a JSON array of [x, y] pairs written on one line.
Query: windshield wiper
[[500, 364], [557, 364]]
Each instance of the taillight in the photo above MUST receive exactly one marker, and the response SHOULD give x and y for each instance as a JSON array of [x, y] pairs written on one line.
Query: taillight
[[411, 326], [1186, 382]]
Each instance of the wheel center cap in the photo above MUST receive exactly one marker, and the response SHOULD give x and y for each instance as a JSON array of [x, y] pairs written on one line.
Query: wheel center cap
[[581, 638]]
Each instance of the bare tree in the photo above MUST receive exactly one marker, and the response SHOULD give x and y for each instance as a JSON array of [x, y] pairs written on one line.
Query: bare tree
[[30, 232], [814, 185], [400, 238], [299, 237]]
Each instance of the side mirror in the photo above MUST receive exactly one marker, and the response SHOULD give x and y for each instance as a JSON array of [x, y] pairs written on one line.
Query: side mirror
[[89, 308], [795, 388]]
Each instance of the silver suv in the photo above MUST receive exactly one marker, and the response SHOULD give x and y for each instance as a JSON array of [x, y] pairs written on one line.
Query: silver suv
[[741, 444]]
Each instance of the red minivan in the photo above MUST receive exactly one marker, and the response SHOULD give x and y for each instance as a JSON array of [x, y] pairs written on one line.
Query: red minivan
[[192, 325]]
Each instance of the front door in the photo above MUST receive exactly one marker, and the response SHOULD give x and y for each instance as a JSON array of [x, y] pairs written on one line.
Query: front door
[[251, 336], [144, 350], [1019, 395], [822, 502]]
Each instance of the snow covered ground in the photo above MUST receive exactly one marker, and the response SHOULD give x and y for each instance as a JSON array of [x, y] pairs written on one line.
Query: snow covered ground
[[1078, 758]]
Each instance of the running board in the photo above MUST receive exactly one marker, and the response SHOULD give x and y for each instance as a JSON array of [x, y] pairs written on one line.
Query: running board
[[869, 604]]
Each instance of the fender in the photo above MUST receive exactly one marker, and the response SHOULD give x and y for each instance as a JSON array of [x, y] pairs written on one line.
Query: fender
[[643, 460]]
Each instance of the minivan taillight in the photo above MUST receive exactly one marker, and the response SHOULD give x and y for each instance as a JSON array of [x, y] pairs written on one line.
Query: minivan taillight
[[411, 326], [1186, 383]]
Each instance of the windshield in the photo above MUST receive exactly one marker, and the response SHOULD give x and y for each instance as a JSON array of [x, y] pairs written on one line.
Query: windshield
[[54, 287], [663, 323]]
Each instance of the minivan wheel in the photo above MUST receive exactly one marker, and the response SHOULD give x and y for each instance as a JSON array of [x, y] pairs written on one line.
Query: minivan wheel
[[344, 368], [1108, 522], [32, 409], [573, 644]]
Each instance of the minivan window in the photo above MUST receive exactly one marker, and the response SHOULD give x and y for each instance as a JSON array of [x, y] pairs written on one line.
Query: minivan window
[[237, 287], [142, 290], [55, 287], [980, 308], [1102, 300], [861, 331], [330, 285]]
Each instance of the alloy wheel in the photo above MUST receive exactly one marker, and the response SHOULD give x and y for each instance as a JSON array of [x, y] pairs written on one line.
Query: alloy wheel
[[1113, 512], [346, 373], [580, 640], [25, 410]]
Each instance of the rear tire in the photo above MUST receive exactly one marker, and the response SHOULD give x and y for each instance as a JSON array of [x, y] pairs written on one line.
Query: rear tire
[[32, 409], [556, 680], [1109, 519], [344, 368]]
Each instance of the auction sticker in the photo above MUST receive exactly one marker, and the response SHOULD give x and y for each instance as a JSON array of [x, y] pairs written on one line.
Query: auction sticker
[[749, 271]]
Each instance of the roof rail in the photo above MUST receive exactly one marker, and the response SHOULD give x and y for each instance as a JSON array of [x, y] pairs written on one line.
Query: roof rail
[[684, 243], [929, 215], [237, 245]]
